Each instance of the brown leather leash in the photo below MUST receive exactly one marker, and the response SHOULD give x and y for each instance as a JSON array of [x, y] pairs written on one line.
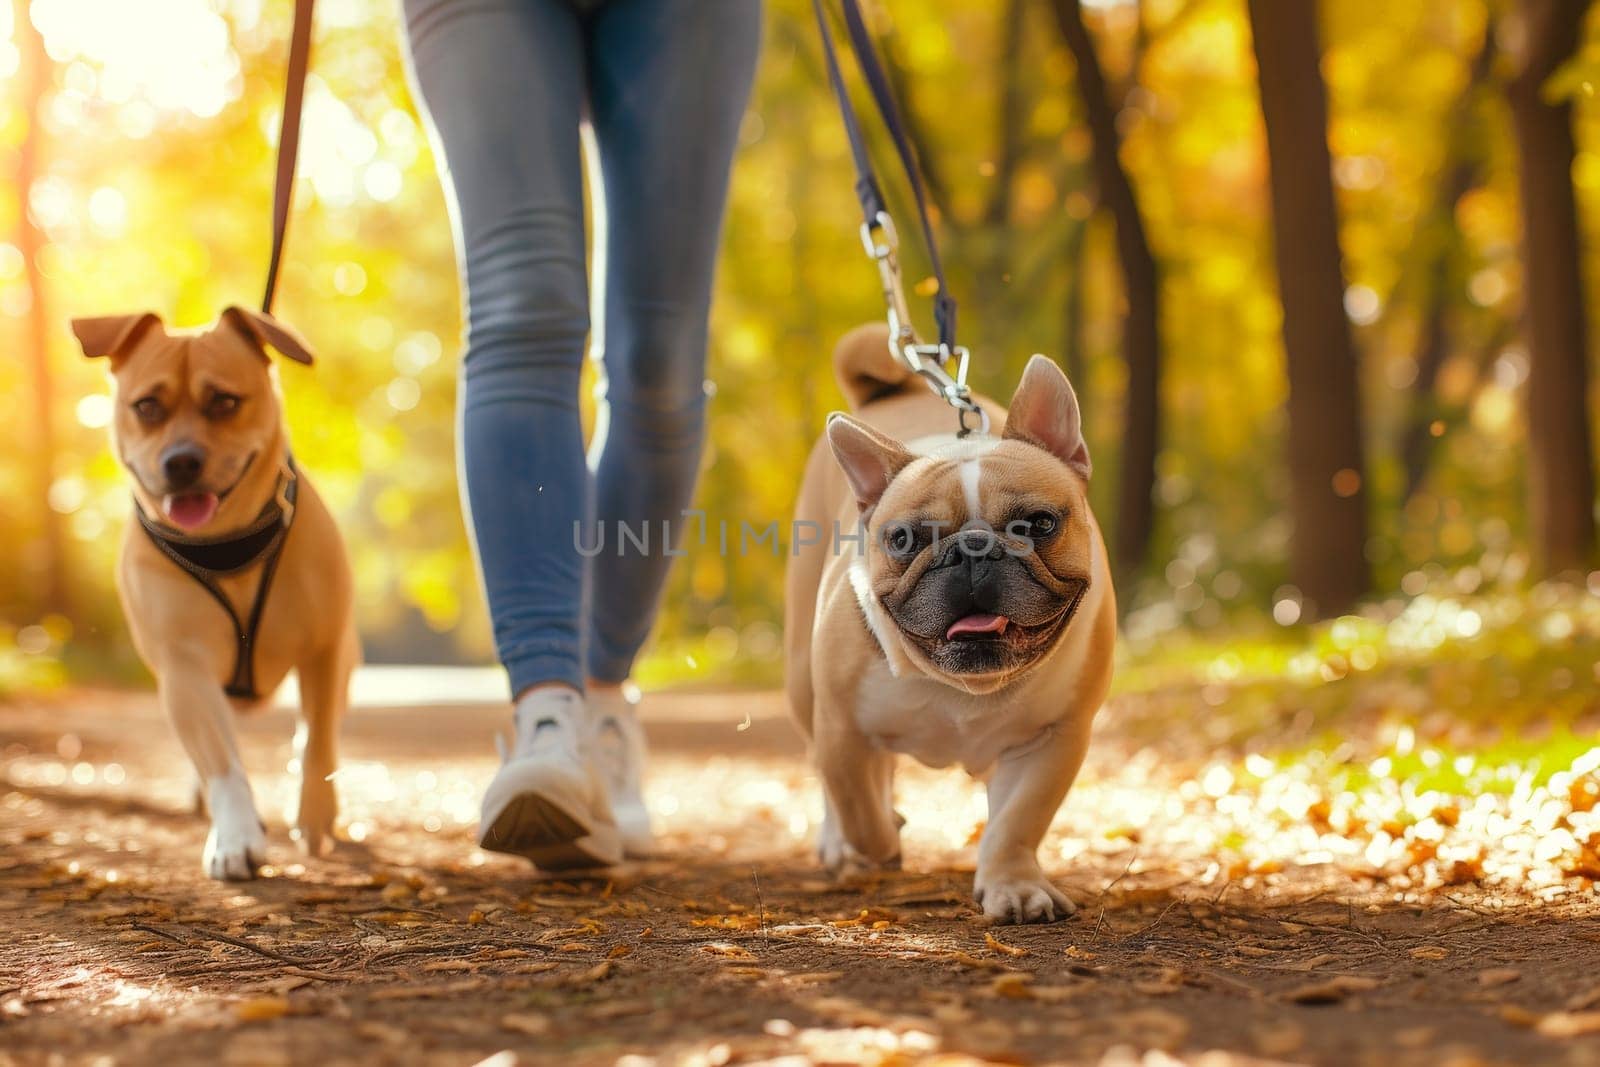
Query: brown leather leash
[[294, 94]]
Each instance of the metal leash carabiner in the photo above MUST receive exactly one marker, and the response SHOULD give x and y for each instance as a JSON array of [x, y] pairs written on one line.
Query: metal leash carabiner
[[882, 244]]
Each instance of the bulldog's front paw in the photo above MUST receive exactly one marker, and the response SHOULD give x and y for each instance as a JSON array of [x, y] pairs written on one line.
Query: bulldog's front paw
[[1020, 894], [841, 859], [237, 844]]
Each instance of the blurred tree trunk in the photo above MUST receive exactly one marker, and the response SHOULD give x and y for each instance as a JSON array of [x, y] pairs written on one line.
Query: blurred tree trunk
[[1442, 240], [1561, 476], [1072, 308], [994, 248], [1008, 119], [1327, 492], [1141, 341], [34, 79]]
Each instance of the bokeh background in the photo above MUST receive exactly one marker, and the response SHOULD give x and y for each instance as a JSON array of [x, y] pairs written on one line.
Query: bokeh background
[[1106, 193]]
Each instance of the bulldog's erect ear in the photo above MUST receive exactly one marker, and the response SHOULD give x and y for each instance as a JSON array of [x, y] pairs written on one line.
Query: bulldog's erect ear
[[1044, 412], [261, 330], [112, 335], [869, 459]]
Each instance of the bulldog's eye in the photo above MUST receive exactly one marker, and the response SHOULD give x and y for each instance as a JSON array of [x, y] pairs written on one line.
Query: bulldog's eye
[[221, 405], [1038, 526], [149, 410], [900, 540]]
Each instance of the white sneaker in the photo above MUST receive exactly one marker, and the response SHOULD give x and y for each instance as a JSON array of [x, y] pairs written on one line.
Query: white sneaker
[[548, 801], [619, 752]]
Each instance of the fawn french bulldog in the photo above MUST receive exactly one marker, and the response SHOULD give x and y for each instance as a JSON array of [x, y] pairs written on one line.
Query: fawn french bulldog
[[973, 622], [232, 571]]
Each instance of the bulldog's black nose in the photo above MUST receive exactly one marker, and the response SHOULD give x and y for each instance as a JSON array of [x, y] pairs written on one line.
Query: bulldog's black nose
[[182, 464]]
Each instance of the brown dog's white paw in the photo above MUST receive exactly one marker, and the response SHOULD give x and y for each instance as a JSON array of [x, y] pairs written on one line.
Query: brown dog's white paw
[[234, 853], [237, 843], [1021, 896]]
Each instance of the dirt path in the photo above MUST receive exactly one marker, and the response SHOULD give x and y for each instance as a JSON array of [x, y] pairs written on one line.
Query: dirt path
[[409, 946]]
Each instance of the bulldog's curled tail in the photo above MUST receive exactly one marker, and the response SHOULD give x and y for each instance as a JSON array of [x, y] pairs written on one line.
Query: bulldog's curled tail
[[866, 369]]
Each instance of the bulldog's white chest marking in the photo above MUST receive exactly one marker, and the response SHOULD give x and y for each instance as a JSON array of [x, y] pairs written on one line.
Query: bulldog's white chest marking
[[938, 725]]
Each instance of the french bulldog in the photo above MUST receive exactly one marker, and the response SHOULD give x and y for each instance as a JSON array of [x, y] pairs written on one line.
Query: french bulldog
[[232, 570], [958, 608]]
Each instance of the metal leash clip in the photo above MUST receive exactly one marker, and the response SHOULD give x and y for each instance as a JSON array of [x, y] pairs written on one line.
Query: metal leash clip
[[929, 361]]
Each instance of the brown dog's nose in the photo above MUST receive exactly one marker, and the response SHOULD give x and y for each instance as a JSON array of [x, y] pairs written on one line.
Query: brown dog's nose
[[181, 464]]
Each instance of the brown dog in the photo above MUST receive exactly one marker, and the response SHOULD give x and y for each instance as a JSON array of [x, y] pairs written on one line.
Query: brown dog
[[961, 611], [233, 570]]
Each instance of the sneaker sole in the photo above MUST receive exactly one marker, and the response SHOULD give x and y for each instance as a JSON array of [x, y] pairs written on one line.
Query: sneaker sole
[[538, 829]]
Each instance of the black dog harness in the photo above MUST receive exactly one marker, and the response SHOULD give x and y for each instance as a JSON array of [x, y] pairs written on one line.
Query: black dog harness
[[206, 559]]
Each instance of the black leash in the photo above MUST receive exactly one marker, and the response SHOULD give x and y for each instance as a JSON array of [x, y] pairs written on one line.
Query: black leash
[[868, 191], [294, 94], [209, 559], [878, 234]]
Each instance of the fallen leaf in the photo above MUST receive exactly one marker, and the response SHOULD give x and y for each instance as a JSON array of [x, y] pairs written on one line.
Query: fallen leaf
[[977, 963], [1332, 991], [540, 967], [1154, 989], [723, 948], [1587, 999], [599, 972], [1517, 1015], [813, 977], [261, 1009], [1497, 976], [1315, 961], [1568, 1024], [1429, 952], [1012, 985], [1057, 993], [527, 1022], [998, 945]]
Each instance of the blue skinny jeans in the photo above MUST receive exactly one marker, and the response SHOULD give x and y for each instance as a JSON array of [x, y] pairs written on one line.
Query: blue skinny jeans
[[506, 83]]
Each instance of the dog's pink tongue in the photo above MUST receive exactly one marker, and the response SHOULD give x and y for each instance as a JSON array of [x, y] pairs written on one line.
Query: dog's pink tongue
[[978, 624], [190, 511]]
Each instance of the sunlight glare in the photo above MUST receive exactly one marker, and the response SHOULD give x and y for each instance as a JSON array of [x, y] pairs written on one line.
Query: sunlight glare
[[175, 54]]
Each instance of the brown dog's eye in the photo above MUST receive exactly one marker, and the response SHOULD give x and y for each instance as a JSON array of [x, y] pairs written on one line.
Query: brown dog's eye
[[149, 410], [900, 539], [221, 405], [1038, 526]]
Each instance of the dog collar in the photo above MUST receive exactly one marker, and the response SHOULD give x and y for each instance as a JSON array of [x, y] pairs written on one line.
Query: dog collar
[[207, 559]]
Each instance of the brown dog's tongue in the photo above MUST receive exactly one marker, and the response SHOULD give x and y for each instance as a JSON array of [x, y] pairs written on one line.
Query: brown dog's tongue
[[977, 623], [190, 511]]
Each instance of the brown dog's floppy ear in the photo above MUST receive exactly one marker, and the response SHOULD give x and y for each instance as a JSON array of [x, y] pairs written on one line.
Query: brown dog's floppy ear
[[262, 330], [869, 459], [1044, 412], [111, 335]]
